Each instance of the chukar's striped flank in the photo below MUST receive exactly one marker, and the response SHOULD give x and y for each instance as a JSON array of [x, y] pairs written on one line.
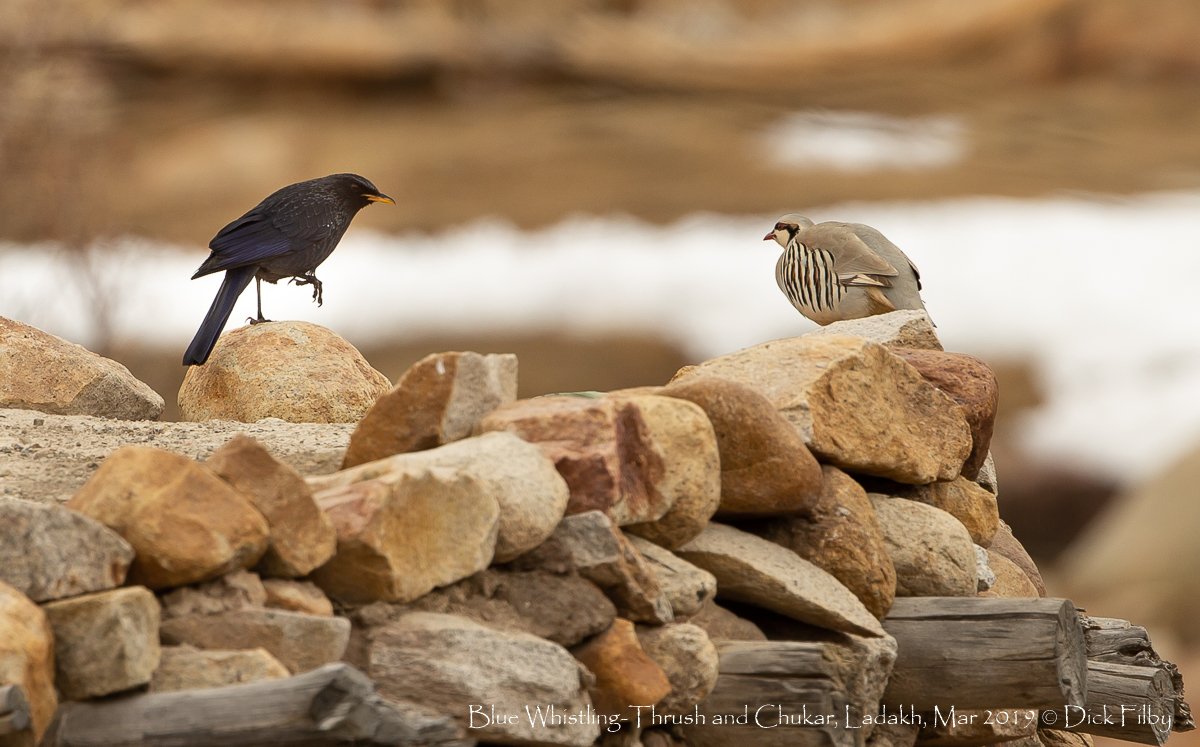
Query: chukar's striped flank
[[834, 271]]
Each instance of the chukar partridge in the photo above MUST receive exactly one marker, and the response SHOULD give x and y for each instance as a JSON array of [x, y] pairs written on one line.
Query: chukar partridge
[[836, 271]]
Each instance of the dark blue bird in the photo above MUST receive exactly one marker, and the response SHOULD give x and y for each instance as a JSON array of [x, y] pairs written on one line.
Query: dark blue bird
[[287, 235]]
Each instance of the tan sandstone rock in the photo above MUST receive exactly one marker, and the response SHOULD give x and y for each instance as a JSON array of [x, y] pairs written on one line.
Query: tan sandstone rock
[[301, 535], [439, 399], [50, 552], [723, 625], [190, 668], [400, 538], [39, 371], [27, 656], [687, 587], [766, 468], [932, 551], [1011, 581], [297, 596], [104, 642], [963, 499], [842, 535], [531, 494], [972, 384], [236, 590], [300, 642], [185, 524], [294, 371], [616, 455], [1004, 543], [856, 405], [751, 569]]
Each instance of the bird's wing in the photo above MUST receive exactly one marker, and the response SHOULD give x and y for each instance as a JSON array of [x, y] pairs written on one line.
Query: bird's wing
[[263, 234], [854, 261]]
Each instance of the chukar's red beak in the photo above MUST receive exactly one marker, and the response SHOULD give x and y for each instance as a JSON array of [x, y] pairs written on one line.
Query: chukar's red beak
[[769, 237]]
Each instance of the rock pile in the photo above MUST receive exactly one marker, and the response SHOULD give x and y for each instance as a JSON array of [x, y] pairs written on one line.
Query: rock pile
[[768, 548]]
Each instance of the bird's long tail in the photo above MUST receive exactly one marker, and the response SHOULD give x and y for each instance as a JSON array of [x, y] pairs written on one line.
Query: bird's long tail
[[235, 282]]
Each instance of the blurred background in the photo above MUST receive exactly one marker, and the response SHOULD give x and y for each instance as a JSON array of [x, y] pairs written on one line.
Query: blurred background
[[586, 183]]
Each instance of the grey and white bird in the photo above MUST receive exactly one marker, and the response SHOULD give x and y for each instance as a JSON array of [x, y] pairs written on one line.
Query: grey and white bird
[[835, 271]]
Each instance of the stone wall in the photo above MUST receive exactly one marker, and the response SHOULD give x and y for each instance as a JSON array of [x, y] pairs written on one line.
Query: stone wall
[[629, 566]]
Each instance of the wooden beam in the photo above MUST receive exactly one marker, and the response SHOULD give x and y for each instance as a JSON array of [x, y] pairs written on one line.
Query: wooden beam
[[986, 653], [334, 704], [1114, 641], [1135, 704]]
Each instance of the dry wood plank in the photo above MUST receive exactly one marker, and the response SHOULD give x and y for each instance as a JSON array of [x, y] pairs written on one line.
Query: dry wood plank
[[334, 704], [1136, 704], [1114, 641], [786, 694], [981, 653], [14, 711]]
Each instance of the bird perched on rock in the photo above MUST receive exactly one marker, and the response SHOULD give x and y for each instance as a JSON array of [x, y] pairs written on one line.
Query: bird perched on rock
[[287, 235], [836, 271]]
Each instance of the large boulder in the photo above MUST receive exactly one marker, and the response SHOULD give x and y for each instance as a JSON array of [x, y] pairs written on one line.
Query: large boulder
[[931, 550], [909, 328], [439, 399], [857, 406], [185, 524], [39, 371], [294, 371]]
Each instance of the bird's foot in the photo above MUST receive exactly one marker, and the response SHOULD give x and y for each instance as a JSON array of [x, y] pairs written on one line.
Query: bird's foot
[[257, 320], [318, 288]]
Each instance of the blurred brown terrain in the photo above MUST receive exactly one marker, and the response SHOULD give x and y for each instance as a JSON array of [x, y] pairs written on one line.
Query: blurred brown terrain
[[166, 119]]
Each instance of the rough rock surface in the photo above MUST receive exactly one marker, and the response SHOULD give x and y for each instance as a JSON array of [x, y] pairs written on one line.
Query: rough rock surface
[[932, 550], [27, 654], [856, 405], [531, 493], [104, 642], [185, 524], [297, 596], [301, 536], [189, 668], [233, 591], [753, 570], [439, 399], [766, 468], [294, 371], [399, 539], [613, 456], [446, 661], [590, 545], [686, 586], [723, 625], [46, 458], [300, 642], [565, 609], [689, 659], [1011, 581], [39, 371], [626, 675], [963, 499], [972, 384], [906, 328], [50, 552], [1004, 543], [842, 535]]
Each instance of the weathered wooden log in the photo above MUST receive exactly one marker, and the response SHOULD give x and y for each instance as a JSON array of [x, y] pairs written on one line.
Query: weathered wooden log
[[1114, 641], [977, 653], [793, 693], [1136, 704], [14, 711], [334, 704]]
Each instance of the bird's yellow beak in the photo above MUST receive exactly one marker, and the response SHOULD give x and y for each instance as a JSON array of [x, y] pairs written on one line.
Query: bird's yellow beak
[[380, 198]]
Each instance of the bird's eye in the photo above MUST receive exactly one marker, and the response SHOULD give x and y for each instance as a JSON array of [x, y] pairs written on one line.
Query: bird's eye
[[780, 227]]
